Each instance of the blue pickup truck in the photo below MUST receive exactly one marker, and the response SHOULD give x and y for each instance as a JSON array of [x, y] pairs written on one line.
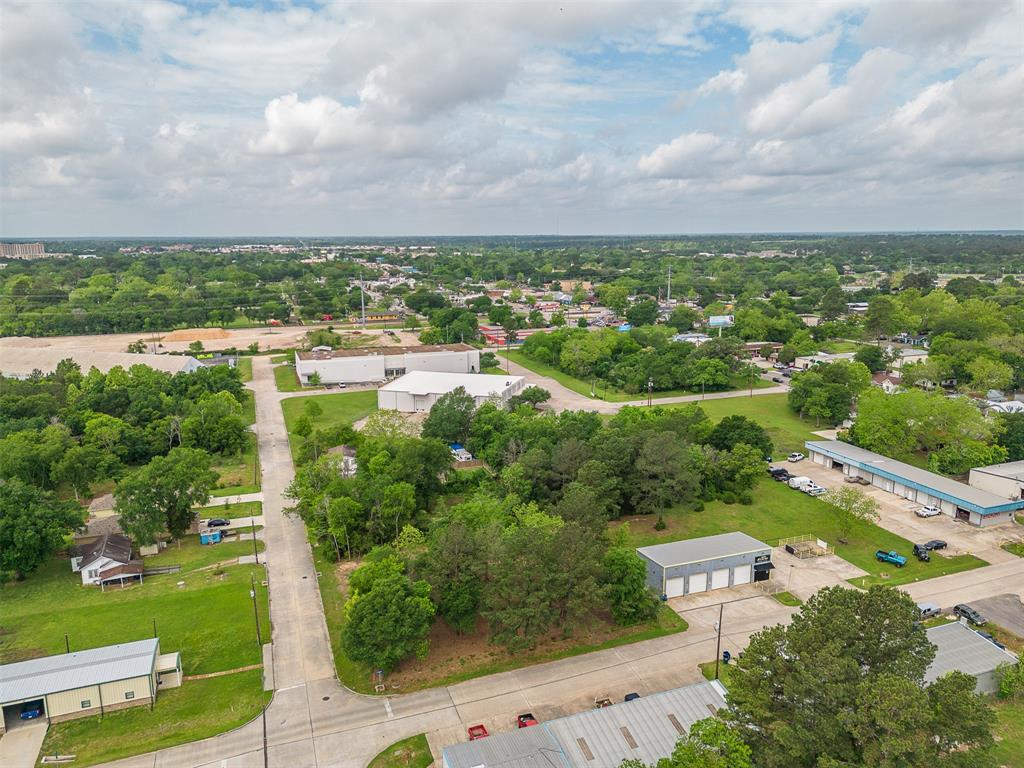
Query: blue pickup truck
[[890, 557]]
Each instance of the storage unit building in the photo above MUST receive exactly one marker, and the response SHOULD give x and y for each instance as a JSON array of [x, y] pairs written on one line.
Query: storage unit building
[[89, 682], [713, 562], [18, 362], [418, 391], [958, 647], [352, 366], [958, 500]]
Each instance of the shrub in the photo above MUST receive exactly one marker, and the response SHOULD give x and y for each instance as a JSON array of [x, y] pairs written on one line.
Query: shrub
[[660, 525], [728, 497], [698, 506], [746, 498]]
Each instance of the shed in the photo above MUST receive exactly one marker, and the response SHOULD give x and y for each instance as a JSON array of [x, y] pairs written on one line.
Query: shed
[[958, 647], [712, 562]]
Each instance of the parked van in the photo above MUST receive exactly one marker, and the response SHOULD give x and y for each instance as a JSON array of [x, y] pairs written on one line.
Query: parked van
[[799, 482]]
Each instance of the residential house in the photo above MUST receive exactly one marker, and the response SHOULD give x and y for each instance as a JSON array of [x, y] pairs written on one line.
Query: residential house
[[107, 559]]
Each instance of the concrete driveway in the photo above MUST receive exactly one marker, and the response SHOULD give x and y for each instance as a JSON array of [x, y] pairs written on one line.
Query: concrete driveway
[[1007, 611], [19, 747]]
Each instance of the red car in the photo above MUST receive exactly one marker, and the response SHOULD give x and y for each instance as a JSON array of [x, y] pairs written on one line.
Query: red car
[[477, 732], [526, 719], [326, 317]]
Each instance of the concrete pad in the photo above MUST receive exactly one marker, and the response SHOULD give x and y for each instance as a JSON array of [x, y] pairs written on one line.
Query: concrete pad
[[19, 747], [1006, 611]]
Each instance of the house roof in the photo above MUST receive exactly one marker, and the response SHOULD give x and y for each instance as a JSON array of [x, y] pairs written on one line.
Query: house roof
[[133, 568], [436, 382], [99, 526], [377, 351], [110, 545], [22, 361], [51, 674], [974, 499], [705, 548], [958, 647]]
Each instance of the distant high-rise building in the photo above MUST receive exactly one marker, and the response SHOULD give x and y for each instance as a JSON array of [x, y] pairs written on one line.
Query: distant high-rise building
[[22, 251]]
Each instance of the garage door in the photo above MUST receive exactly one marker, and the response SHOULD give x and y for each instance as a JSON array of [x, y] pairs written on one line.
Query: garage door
[[675, 587], [720, 578], [741, 575], [698, 582]]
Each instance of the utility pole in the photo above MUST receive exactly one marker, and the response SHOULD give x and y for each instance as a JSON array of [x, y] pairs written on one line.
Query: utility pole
[[255, 552], [255, 610], [362, 300], [650, 387], [718, 626], [67, 644], [259, 644], [669, 297]]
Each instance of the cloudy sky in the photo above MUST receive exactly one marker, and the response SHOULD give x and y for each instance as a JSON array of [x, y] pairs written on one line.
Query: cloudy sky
[[161, 118]]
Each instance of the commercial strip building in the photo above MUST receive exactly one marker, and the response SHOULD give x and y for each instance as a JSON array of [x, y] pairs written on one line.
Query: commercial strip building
[[958, 500], [21, 362], [351, 366], [90, 682], [713, 562], [419, 390], [645, 729], [958, 647]]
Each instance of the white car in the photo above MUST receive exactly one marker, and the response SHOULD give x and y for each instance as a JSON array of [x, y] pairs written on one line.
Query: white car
[[813, 489], [928, 511], [795, 457]]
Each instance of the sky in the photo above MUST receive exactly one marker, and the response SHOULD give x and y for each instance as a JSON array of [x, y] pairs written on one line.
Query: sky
[[158, 118]]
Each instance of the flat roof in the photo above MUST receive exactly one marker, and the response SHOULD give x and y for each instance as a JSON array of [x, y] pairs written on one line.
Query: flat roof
[[967, 496], [437, 382], [36, 678], [705, 548], [958, 647], [1010, 469], [22, 361], [377, 351]]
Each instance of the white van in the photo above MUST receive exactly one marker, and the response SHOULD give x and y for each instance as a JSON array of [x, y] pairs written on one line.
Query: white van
[[799, 482]]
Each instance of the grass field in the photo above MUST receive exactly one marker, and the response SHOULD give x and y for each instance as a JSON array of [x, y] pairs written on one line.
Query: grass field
[[413, 752], [249, 407], [232, 511], [190, 554], [1009, 732], [196, 710], [286, 379], [238, 474], [780, 512], [245, 368], [787, 430], [338, 409]]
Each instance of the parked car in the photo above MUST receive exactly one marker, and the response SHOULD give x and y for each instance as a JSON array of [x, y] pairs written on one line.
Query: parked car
[[477, 732], [30, 710], [778, 473], [935, 544], [813, 489], [632, 696], [970, 614], [890, 557], [921, 553], [856, 479], [218, 522], [928, 610], [525, 720], [795, 457], [928, 511], [992, 640], [778, 380]]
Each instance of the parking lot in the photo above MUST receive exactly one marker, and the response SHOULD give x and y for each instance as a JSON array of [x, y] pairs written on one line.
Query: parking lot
[[897, 515]]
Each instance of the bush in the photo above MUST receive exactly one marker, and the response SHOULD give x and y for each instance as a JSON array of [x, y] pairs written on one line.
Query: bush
[[728, 497], [698, 506], [746, 498], [660, 525], [1011, 680]]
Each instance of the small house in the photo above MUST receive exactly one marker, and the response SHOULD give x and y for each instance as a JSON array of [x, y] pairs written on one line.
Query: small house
[[107, 559]]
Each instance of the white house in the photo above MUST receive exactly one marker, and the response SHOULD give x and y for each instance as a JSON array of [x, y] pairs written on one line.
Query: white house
[[107, 559], [419, 390]]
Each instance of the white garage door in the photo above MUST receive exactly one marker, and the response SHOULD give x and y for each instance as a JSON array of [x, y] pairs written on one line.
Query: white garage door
[[741, 574], [675, 587], [698, 582], [720, 578]]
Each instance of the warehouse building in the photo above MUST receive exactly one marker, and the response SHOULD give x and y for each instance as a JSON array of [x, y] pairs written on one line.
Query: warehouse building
[[86, 683], [645, 729], [970, 504], [419, 390], [1001, 479], [958, 647], [22, 362], [352, 366], [713, 562]]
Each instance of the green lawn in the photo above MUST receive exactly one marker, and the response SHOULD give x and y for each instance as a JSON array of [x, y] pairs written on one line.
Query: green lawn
[[196, 710], [780, 512], [190, 554], [209, 619], [1015, 548], [1009, 731], [249, 407], [232, 511], [285, 358], [787, 430], [245, 368], [239, 473], [413, 752], [287, 380], [338, 409], [789, 599]]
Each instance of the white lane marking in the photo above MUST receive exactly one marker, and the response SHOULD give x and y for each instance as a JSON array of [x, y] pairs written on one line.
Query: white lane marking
[[387, 708]]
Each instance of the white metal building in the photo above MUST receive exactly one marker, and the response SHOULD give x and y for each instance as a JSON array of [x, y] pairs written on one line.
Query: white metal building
[[1001, 479], [958, 500], [686, 567], [351, 366], [20, 362], [88, 682], [419, 390], [958, 647]]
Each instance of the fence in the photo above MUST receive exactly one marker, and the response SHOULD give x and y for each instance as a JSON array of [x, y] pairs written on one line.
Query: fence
[[159, 570], [805, 546]]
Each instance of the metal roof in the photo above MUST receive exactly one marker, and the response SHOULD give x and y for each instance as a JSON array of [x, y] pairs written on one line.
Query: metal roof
[[36, 678], [436, 382], [966, 496], [1013, 470], [646, 728], [382, 350], [19, 362], [960, 647], [699, 550]]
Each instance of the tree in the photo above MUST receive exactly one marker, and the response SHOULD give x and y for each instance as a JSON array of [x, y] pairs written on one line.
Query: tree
[[615, 297], [315, 379], [450, 416], [833, 303], [1011, 434], [33, 525], [643, 313], [683, 318], [733, 430], [136, 347], [851, 508], [710, 743], [708, 373], [989, 374], [558, 319], [160, 496], [665, 474], [625, 579], [82, 465], [873, 357], [215, 424], [843, 684], [195, 347], [388, 615], [533, 396]]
